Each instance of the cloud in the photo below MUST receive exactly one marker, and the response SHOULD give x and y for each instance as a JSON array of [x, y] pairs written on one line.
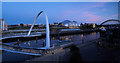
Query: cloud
[[92, 17], [100, 4], [109, 0], [115, 15], [70, 12], [97, 5], [105, 9]]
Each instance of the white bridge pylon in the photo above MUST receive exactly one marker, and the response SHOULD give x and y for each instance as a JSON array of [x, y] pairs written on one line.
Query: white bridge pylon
[[33, 24], [47, 31]]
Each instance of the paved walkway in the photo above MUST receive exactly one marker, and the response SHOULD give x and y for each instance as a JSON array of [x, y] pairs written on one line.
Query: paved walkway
[[95, 54]]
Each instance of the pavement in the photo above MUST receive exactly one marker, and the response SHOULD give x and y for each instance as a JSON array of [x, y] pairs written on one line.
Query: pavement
[[95, 54]]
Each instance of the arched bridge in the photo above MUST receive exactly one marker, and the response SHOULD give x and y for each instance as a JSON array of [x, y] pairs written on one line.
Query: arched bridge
[[110, 20]]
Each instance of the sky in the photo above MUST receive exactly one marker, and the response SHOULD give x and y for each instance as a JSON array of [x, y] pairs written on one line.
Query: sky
[[82, 12]]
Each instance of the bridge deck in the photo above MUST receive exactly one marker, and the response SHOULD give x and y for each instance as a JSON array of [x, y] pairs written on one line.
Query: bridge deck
[[27, 53], [19, 36]]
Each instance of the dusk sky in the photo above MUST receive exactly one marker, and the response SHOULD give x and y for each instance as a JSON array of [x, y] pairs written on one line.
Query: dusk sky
[[89, 12]]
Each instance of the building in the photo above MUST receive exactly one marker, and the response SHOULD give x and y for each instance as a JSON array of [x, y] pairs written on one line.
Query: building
[[6, 26], [13, 26], [22, 25], [91, 25], [3, 25], [29, 25], [61, 24], [55, 23], [41, 25]]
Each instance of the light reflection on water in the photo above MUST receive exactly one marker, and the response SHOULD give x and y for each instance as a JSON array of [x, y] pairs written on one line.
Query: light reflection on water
[[82, 38], [77, 39]]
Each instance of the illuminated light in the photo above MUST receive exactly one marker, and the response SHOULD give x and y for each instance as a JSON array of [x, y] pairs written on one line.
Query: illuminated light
[[92, 33], [102, 28], [76, 24], [66, 24], [81, 35], [95, 33], [93, 25], [53, 38]]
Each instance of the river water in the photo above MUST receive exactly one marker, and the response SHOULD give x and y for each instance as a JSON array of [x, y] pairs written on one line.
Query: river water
[[77, 39]]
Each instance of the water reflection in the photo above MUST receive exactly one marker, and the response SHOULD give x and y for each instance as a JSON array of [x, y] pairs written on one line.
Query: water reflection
[[110, 45], [77, 39], [67, 38], [81, 36]]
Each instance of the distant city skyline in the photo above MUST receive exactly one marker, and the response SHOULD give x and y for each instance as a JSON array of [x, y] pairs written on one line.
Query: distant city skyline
[[82, 12]]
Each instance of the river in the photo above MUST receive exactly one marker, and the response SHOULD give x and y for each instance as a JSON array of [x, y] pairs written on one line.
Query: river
[[77, 39]]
